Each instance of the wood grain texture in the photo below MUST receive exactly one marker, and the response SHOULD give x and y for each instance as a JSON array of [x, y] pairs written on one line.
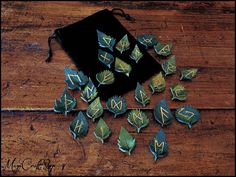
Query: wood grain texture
[[202, 40], [206, 149], [35, 140]]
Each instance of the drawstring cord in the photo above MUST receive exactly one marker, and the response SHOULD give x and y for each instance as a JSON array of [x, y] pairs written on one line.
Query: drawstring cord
[[121, 13], [53, 36]]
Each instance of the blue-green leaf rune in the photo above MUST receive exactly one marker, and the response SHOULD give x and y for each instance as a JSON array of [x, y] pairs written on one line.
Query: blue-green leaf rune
[[79, 126], [138, 119], [102, 131], [126, 141], [95, 109], [178, 92], [117, 105], [122, 67], [158, 146], [163, 50], [123, 44], [157, 83], [105, 41], [141, 95], [65, 104], [162, 113], [187, 115], [105, 57], [147, 40], [105, 77], [136, 54], [188, 74], [169, 66], [89, 92], [74, 79]]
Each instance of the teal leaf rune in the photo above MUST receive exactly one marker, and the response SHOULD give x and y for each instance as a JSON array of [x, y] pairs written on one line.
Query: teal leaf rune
[[89, 92], [141, 95], [105, 41], [105, 57], [178, 92], [138, 119], [169, 66], [136, 54], [95, 109], [79, 126], [105, 77], [126, 141], [74, 79], [187, 115], [123, 44], [65, 104], [117, 105], [188, 74], [163, 50], [147, 40], [122, 67], [157, 83], [158, 146], [102, 131], [162, 113]]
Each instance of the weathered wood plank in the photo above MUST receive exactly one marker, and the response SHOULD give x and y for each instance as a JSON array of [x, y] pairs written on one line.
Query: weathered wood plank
[[206, 149], [203, 40]]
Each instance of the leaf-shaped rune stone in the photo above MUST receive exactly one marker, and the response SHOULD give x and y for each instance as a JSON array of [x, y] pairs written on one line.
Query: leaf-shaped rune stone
[[187, 115], [102, 131], [157, 83], [105, 57], [138, 119], [79, 126], [95, 109], [105, 77], [147, 40], [178, 92], [162, 113], [169, 66], [65, 104], [163, 50], [117, 105], [89, 92], [74, 79], [136, 54], [188, 74], [158, 146], [122, 67], [126, 142], [123, 44], [141, 95], [105, 41]]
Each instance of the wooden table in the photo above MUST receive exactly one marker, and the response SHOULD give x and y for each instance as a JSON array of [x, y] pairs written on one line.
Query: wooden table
[[35, 140]]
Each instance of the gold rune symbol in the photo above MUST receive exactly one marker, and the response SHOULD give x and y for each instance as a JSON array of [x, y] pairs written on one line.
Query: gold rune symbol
[[157, 145], [139, 116], [185, 116], [95, 109], [101, 128], [79, 126], [171, 67], [107, 40], [191, 72], [105, 57], [67, 102], [147, 40], [116, 105], [73, 75], [89, 90], [164, 114], [143, 95], [165, 49]]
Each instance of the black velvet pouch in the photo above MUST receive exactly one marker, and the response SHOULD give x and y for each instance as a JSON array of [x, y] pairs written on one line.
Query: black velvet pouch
[[80, 41]]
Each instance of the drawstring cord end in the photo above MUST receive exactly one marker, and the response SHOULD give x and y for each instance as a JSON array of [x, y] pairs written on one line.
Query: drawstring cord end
[[53, 36]]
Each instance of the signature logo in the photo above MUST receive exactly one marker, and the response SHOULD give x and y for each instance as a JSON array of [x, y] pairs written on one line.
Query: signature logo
[[16, 166]]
